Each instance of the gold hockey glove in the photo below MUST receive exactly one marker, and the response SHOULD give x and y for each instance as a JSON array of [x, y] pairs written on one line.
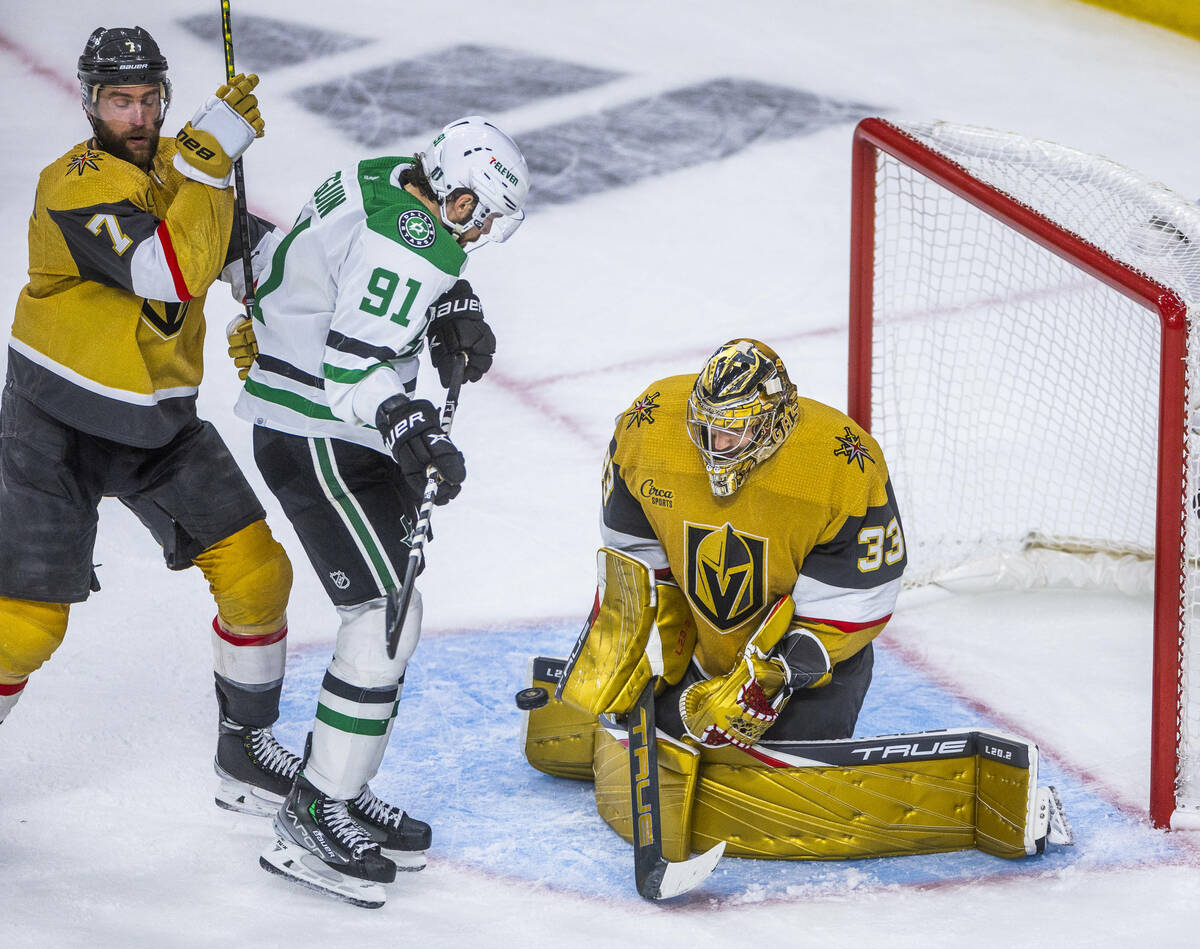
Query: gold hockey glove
[[738, 707], [243, 346], [220, 131], [237, 95]]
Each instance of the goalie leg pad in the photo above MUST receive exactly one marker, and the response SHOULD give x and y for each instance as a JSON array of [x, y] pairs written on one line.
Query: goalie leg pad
[[1014, 817], [836, 813], [840, 800], [558, 739], [678, 770]]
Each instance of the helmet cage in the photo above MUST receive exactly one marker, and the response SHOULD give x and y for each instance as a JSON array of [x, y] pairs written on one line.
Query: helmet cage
[[754, 406]]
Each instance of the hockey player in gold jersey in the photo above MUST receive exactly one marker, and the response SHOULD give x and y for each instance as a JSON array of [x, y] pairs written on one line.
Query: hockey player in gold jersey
[[127, 234], [753, 549], [739, 492]]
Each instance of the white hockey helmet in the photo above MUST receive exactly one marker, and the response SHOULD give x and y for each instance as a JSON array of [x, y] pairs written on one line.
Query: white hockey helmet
[[472, 153]]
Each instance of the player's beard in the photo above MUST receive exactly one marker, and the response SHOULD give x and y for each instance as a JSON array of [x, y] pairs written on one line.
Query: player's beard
[[137, 146]]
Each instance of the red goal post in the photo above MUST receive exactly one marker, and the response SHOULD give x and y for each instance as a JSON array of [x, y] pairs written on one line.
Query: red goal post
[[1020, 344]]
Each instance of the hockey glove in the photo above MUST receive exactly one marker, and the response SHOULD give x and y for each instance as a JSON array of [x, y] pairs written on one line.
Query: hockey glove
[[220, 131], [457, 326], [413, 434], [738, 707], [243, 346], [807, 660]]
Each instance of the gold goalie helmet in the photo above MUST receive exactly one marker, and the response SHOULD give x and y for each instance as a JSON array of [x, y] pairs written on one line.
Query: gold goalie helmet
[[741, 409]]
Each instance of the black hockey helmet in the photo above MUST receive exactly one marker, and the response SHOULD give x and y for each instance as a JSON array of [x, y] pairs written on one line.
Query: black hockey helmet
[[121, 56]]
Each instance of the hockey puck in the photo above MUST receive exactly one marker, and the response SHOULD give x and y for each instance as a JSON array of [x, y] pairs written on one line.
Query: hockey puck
[[529, 699]]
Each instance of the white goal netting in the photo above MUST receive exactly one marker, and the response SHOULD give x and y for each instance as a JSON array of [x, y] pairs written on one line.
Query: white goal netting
[[1017, 395]]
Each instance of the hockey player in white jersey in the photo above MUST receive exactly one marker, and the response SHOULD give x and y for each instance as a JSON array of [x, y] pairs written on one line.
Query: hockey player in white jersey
[[370, 271]]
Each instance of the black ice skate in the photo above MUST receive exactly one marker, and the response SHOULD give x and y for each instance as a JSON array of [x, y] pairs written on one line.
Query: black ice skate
[[406, 838], [256, 771], [321, 846]]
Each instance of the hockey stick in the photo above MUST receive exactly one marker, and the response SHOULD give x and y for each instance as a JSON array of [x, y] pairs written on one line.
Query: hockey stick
[[399, 600], [239, 201], [656, 877]]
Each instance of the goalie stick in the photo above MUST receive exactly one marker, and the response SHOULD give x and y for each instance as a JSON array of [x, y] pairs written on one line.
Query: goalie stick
[[398, 600], [239, 181], [656, 877]]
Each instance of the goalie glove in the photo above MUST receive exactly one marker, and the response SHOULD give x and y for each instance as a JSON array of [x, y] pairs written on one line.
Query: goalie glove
[[243, 345], [738, 707], [413, 434], [457, 326], [220, 131]]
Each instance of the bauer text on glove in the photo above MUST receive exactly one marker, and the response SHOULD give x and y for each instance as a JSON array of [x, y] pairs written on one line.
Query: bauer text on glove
[[457, 326], [413, 434]]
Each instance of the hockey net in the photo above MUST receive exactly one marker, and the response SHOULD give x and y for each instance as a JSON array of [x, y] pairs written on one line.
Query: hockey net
[[1022, 347]]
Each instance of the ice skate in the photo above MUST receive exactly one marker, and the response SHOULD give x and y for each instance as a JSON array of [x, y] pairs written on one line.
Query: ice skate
[[256, 771], [322, 847], [404, 837]]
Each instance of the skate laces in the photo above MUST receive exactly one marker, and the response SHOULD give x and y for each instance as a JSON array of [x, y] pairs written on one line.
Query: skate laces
[[333, 814], [378, 811], [271, 755]]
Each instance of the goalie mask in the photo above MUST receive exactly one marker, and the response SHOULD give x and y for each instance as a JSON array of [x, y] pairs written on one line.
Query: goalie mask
[[122, 56], [741, 409], [474, 154]]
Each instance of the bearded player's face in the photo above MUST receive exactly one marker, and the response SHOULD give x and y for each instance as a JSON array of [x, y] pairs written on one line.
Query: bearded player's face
[[127, 122]]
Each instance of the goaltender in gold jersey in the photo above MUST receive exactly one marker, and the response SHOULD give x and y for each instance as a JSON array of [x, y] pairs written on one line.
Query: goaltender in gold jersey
[[753, 549], [785, 496]]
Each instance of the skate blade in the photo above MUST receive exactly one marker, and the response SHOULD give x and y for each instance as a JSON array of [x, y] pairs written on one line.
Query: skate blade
[[406, 861], [235, 795], [298, 865]]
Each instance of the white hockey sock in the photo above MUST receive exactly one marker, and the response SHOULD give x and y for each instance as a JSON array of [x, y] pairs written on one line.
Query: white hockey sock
[[349, 736]]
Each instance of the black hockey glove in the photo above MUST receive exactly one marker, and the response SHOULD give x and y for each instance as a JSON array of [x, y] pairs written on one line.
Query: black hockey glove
[[806, 658], [413, 434], [457, 326]]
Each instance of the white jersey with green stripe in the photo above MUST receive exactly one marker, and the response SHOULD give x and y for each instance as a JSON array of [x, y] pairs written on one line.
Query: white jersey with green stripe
[[341, 313]]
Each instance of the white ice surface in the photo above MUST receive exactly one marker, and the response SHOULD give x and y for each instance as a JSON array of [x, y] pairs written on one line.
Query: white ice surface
[[108, 836]]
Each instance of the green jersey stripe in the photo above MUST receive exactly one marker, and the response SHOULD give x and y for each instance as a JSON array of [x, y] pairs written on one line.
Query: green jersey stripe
[[289, 400], [349, 376], [276, 277]]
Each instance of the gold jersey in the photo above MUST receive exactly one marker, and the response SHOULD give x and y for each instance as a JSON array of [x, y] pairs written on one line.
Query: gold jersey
[[108, 334], [816, 520]]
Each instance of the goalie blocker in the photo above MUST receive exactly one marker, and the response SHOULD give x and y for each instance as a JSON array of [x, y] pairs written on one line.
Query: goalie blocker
[[892, 795]]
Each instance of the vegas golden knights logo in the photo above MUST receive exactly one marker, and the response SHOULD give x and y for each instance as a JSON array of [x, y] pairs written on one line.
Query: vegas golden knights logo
[[726, 574], [167, 322]]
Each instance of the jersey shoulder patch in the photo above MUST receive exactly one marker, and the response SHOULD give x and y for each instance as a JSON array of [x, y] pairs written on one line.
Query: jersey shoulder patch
[[86, 176], [652, 431], [402, 219]]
